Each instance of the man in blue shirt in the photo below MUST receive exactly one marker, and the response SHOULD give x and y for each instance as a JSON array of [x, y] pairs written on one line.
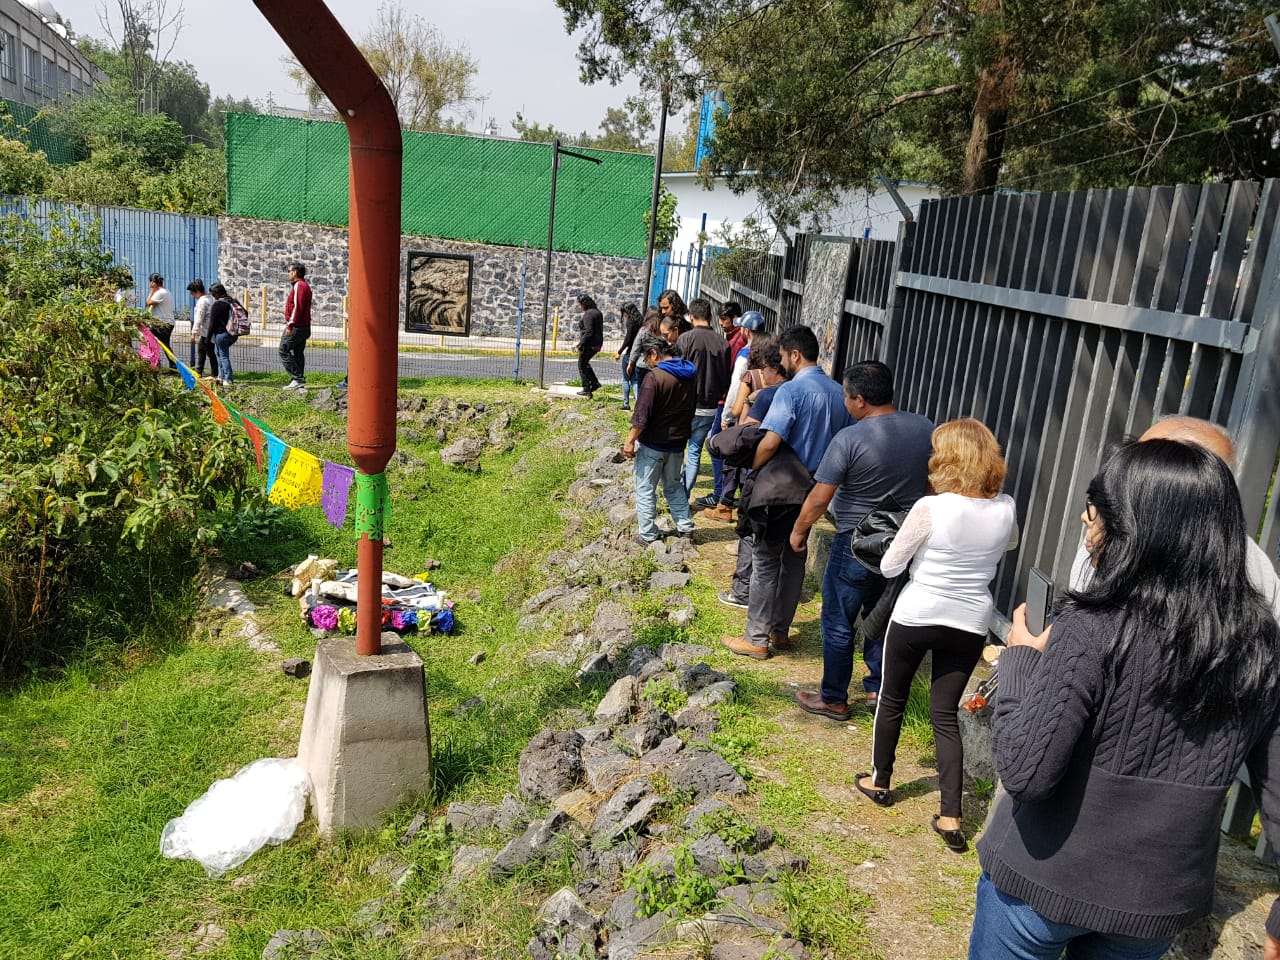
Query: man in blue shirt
[[807, 412]]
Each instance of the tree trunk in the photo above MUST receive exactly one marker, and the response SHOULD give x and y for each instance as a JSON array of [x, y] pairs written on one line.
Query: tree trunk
[[985, 153]]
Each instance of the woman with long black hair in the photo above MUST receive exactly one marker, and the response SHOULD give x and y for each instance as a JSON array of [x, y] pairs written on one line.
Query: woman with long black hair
[[1118, 731], [590, 341], [632, 324]]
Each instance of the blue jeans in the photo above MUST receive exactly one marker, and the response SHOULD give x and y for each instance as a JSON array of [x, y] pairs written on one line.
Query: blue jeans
[[222, 350], [651, 468], [1006, 928], [629, 386], [693, 453], [717, 465], [848, 589]]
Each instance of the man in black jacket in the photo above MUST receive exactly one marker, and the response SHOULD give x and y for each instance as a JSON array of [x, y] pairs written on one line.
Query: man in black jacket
[[659, 432], [709, 353]]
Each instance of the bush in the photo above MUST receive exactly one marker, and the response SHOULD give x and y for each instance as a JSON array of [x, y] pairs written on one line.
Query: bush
[[105, 463]]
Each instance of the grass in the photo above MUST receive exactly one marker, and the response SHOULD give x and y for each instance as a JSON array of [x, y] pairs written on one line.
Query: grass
[[95, 759]]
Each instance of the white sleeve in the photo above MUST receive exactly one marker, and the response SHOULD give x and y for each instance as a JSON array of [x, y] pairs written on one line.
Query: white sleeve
[[1262, 575], [915, 531], [735, 381]]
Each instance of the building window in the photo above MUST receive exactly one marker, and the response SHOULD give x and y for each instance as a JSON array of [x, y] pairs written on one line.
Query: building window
[[50, 78], [31, 76], [64, 81], [8, 57]]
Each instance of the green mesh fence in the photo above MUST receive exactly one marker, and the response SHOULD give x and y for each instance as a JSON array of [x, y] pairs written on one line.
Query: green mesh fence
[[460, 188], [21, 122]]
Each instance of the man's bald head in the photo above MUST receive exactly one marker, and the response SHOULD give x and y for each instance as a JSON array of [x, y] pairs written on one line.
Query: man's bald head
[[1193, 430]]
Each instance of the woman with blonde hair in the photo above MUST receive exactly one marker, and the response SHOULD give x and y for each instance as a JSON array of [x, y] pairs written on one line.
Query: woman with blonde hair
[[952, 539]]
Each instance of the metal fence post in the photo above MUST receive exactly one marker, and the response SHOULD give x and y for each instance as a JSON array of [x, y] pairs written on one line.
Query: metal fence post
[[891, 336], [1254, 421]]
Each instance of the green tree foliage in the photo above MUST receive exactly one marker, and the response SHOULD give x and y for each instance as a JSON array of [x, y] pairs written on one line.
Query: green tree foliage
[[22, 171], [668, 221], [624, 128], [972, 95], [105, 464], [427, 77]]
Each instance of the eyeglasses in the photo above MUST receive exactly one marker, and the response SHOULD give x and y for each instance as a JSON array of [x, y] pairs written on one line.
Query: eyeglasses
[[1090, 511]]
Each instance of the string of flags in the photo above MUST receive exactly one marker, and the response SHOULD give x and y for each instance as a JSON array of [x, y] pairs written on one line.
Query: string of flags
[[295, 478]]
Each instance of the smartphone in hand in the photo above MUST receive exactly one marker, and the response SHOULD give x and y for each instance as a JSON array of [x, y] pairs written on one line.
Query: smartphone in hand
[[1039, 601]]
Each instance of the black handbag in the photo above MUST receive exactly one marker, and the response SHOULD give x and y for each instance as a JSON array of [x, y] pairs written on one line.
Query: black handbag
[[871, 540]]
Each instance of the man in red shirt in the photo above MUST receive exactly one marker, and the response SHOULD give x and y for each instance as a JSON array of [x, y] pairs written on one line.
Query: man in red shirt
[[297, 328]]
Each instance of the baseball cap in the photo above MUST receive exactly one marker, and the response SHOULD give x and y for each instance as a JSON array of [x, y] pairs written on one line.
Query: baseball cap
[[751, 320]]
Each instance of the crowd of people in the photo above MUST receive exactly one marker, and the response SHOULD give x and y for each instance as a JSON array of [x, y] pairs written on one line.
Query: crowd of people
[[1117, 731], [213, 332]]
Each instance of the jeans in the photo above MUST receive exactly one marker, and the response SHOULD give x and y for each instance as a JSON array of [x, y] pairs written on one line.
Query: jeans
[[590, 382], [292, 349], [651, 468], [848, 589], [955, 653], [693, 453], [221, 347], [629, 386], [777, 576], [1006, 928], [717, 465]]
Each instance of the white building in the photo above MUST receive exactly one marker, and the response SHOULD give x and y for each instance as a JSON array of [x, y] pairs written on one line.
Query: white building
[[860, 214], [38, 61]]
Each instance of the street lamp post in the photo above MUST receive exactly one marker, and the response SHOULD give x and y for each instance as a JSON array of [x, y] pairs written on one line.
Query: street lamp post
[[556, 152]]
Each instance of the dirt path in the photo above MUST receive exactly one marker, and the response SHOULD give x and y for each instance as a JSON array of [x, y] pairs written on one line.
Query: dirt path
[[920, 894]]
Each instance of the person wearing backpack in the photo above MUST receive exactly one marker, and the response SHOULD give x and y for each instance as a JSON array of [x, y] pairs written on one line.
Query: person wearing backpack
[[220, 318]]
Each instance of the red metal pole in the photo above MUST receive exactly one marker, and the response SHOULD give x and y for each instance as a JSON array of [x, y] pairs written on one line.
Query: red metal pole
[[326, 52]]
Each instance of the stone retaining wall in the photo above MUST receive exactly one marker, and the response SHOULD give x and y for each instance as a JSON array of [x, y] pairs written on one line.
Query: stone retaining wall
[[256, 252]]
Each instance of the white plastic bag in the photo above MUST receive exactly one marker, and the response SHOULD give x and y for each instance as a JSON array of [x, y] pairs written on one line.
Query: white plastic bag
[[262, 803]]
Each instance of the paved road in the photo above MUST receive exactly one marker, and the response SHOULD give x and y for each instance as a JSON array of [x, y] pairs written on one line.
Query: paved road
[[247, 358]]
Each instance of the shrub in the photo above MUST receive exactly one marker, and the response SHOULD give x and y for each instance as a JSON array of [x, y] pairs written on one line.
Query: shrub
[[104, 461]]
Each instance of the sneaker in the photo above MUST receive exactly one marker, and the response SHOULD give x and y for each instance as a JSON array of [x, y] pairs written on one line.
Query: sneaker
[[645, 542], [584, 393], [745, 648], [707, 502], [292, 385], [720, 513], [729, 600], [341, 384]]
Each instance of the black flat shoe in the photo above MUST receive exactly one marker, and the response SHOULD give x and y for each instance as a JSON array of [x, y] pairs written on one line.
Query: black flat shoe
[[954, 839], [881, 798]]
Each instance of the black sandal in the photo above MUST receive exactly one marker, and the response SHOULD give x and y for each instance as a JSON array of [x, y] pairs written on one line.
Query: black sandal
[[880, 797], [954, 839]]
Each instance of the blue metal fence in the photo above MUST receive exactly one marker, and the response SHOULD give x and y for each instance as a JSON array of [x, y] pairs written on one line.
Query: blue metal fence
[[177, 246]]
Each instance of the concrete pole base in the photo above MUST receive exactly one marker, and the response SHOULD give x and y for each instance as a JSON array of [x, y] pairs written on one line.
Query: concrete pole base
[[366, 742]]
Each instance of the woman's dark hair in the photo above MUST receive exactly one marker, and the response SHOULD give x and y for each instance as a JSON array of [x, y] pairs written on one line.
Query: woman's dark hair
[[218, 290], [653, 320], [630, 313], [650, 343], [678, 308], [765, 353], [586, 303], [1173, 560]]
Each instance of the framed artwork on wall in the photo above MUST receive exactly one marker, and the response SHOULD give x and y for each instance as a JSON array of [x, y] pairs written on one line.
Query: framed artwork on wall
[[438, 293]]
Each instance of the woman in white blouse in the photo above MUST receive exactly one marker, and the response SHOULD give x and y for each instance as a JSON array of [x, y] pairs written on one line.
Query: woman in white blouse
[[953, 541]]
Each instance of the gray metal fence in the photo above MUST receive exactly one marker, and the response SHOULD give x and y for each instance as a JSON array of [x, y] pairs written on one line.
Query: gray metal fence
[[1064, 321]]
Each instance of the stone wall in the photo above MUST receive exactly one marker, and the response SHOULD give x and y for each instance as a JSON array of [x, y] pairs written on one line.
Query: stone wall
[[256, 252]]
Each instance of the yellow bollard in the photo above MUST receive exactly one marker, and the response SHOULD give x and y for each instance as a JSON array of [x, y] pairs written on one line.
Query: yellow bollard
[[264, 308], [346, 319], [555, 327]]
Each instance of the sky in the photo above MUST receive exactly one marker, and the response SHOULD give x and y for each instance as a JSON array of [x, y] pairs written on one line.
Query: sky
[[526, 61]]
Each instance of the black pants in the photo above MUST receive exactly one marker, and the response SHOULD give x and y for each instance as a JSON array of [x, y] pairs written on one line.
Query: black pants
[[955, 654], [204, 351], [590, 381], [292, 353], [163, 332]]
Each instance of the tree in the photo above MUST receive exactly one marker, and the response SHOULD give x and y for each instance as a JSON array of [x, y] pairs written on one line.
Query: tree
[[425, 75], [970, 94], [143, 39], [623, 128]]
